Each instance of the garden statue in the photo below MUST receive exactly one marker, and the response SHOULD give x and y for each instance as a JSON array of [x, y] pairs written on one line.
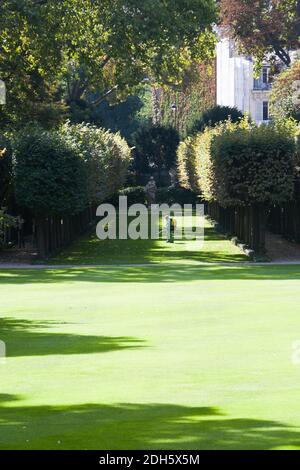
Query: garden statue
[[150, 190]]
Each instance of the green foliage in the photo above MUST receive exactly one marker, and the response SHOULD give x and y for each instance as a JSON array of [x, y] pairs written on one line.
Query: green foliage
[[155, 149], [125, 117], [285, 94], [134, 194], [50, 48], [176, 194], [5, 170], [242, 164], [215, 116], [49, 172], [262, 28], [196, 94], [6, 221], [107, 157], [187, 165]]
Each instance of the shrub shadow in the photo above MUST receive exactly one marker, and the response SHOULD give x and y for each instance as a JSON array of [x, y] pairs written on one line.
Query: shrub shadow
[[28, 338], [137, 426]]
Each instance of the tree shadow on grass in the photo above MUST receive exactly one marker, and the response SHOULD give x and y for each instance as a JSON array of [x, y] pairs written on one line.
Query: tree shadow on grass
[[89, 250], [28, 338], [136, 426], [148, 274]]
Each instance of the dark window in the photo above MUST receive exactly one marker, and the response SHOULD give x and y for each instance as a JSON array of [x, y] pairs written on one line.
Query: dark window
[[265, 111], [265, 75]]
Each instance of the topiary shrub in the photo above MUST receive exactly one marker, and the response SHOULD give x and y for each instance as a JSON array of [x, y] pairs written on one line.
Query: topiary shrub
[[107, 157], [215, 116], [187, 165], [49, 173], [155, 150], [242, 165]]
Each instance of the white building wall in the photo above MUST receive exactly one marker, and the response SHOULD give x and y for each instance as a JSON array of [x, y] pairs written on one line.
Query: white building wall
[[225, 75], [235, 82]]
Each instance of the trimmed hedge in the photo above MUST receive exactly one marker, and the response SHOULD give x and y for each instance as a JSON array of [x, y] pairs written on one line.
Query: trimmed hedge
[[254, 165], [63, 172], [240, 164], [241, 170], [49, 174], [176, 194], [107, 157], [187, 168], [168, 195]]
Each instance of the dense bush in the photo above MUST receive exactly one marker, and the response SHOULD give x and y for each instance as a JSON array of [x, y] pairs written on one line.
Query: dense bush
[[176, 194], [135, 195], [62, 172], [216, 115], [242, 164], [155, 150], [187, 167], [49, 174], [106, 155]]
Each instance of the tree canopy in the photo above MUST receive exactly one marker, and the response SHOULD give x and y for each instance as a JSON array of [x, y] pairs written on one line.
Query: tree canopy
[[262, 27], [80, 46], [285, 95]]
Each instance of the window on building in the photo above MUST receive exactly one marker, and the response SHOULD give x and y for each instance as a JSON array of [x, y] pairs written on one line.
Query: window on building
[[265, 110], [265, 74]]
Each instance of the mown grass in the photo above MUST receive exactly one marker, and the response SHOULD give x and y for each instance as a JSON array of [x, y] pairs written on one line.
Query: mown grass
[[176, 356], [180, 357], [89, 250]]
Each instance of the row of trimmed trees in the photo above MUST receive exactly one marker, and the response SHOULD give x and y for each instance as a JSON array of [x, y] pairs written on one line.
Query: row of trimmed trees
[[57, 178], [242, 171]]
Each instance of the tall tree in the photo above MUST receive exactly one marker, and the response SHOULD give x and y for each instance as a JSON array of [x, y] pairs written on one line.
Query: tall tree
[[108, 45], [285, 95], [263, 27]]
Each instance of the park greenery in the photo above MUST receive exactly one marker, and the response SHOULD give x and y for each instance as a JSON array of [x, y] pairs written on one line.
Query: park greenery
[[63, 172], [78, 52], [48, 174], [143, 344], [240, 164], [285, 95], [213, 116], [263, 28], [7, 222], [105, 93], [155, 151]]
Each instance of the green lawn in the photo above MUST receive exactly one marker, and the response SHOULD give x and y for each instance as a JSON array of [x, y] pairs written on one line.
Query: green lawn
[[89, 250], [143, 357]]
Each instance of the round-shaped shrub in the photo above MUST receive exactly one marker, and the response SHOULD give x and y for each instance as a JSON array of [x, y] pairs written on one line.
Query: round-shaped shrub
[[214, 116], [50, 177], [107, 157]]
